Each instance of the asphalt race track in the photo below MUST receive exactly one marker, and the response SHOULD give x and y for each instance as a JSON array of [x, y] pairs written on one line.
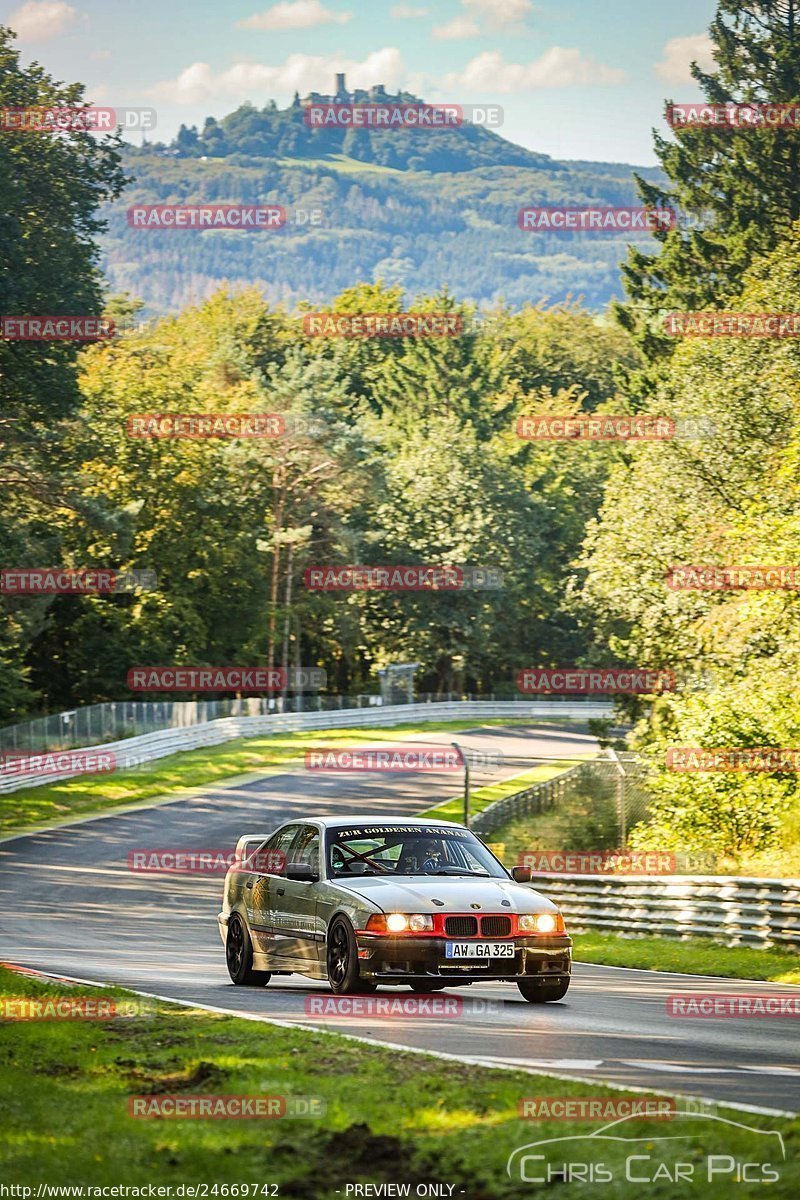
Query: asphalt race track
[[71, 905]]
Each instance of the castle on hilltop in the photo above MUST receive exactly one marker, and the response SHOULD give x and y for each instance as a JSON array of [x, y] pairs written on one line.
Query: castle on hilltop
[[374, 95]]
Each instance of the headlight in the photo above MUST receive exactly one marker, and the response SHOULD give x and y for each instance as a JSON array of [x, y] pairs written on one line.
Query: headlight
[[401, 923], [537, 923]]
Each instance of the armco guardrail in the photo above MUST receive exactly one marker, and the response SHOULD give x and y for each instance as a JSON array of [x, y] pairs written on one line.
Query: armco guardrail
[[734, 909], [112, 720], [133, 751]]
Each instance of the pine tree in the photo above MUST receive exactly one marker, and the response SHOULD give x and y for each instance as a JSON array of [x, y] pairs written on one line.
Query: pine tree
[[743, 182]]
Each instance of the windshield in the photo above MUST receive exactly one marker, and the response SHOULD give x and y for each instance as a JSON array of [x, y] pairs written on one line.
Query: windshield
[[408, 850]]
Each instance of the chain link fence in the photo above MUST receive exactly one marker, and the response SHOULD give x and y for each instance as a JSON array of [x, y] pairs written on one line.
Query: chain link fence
[[594, 805], [114, 720]]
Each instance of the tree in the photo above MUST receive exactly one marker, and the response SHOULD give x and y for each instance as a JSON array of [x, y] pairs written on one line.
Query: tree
[[187, 139], [726, 499], [453, 499], [743, 181], [51, 187]]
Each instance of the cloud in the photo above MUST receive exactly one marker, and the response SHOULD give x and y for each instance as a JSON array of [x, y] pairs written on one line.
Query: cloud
[[295, 14], [499, 12], [300, 72], [39, 20], [680, 52], [406, 12], [557, 67], [459, 27]]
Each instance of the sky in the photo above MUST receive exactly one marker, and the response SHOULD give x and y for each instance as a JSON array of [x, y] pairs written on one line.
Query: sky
[[578, 79]]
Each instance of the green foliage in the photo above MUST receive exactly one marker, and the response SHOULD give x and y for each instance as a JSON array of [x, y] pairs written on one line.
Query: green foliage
[[285, 133], [398, 451], [742, 184], [50, 190], [417, 220], [727, 499]]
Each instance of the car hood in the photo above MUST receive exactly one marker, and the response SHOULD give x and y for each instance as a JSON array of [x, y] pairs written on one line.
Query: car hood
[[415, 893]]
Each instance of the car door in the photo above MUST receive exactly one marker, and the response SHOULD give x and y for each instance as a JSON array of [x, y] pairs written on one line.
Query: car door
[[269, 863], [298, 936]]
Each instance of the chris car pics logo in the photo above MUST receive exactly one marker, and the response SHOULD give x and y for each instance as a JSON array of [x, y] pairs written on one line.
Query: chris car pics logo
[[699, 1149]]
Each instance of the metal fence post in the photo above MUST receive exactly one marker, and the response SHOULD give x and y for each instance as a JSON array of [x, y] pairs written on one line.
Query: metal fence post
[[466, 781], [621, 798]]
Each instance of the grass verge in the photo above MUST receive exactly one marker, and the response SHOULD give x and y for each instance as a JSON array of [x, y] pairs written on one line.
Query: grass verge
[[89, 794], [389, 1117], [692, 956]]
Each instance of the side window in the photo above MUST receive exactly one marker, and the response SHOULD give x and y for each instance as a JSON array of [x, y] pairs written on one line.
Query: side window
[[305, 848], [271, 858]]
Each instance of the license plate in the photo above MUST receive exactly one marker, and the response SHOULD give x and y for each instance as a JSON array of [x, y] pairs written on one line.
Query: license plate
[[479, 950]]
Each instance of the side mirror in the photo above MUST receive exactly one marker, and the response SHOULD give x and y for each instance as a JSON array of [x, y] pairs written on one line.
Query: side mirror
[[521, 874], [301, 873]]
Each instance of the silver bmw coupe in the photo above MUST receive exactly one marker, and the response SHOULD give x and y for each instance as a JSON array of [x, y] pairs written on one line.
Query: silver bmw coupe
[[362, 901]]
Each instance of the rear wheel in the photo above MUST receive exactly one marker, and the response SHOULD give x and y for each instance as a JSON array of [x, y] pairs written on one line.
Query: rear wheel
[[239, 955], [342, 961], [537, 991]]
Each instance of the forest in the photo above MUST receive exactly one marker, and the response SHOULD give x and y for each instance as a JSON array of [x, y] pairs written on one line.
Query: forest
[[406, 451]]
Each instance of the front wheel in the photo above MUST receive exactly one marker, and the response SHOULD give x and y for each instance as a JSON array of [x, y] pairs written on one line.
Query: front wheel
[[342, 959], [239, 955], [537, 992]]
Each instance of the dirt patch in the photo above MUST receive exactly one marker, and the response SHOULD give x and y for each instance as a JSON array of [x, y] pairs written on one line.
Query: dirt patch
[[354, 1155], [152, 1083]]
